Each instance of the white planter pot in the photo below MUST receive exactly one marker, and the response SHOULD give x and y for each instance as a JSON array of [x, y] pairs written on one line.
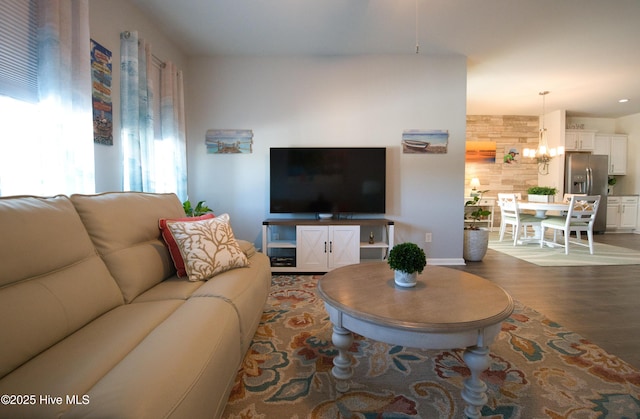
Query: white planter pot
[[475, 245], [540, 198], [404, 279]]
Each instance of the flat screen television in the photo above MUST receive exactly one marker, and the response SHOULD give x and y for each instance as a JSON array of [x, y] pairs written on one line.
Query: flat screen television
[[328, 180]]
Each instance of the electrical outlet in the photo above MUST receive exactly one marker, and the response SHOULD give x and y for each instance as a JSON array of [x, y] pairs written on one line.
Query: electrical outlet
[[427, 237]]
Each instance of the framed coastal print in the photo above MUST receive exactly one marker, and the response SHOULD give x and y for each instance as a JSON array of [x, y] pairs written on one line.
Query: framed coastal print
[[101, 67], [512, 155], [416, 141], [480, 152], [229, 141]]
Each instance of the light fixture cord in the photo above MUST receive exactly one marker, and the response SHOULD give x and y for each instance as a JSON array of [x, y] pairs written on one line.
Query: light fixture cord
[[417, 43], [544, 95], [543, 166]]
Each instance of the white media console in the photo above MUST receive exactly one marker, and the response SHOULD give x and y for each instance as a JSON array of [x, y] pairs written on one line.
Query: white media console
[[311, 245]]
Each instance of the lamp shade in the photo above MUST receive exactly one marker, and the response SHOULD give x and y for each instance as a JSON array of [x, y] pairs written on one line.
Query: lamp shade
[[475, 182]]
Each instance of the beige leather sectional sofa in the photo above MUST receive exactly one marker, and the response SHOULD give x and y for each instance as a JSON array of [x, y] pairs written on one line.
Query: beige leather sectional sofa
[[94, 322]]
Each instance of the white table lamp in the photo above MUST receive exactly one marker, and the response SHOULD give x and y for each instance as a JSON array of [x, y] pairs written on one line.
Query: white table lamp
[[475, 182]]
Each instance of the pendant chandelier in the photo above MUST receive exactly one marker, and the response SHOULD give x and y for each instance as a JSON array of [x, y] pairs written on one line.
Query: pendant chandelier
[[543, 154]]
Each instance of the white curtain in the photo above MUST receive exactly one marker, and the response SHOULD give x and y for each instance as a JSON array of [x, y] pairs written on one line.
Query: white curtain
[[154, 153], [47, 147], [173, 129], [136, 97]]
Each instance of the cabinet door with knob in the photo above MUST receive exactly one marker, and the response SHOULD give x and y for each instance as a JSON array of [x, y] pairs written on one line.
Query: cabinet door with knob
[[615, 147], [579, 140], [322, 248], [628, 212], [622, 212]]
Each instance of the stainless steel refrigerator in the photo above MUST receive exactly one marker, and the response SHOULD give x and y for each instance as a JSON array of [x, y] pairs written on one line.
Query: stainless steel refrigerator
[[587, 174]]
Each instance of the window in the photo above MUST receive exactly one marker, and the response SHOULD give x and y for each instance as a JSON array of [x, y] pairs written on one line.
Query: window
[[19, 50], [46, 145], [18, 165]]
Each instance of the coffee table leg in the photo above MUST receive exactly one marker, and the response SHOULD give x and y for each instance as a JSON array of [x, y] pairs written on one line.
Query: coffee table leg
[[342, 370], [475, 390]]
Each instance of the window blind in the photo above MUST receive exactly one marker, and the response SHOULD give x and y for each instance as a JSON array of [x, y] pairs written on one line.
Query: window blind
[[19, 49]]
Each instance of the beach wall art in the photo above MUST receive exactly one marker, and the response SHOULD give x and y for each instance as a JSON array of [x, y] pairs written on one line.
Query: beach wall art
[[229, 141], [416, 141], [480, 152]]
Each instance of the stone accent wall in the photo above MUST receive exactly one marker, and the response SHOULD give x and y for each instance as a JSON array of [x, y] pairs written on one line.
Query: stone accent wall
[[505, 131]]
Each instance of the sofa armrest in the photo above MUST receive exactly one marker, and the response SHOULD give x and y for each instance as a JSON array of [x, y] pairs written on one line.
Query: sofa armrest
[[247, 247]]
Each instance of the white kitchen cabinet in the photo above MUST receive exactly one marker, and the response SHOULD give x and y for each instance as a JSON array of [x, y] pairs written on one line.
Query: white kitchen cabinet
[[613, 212], [579, 140], [615, 147], [622, 212]]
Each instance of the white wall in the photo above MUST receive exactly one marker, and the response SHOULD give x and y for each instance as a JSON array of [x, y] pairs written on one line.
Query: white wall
[[607, 125], [333, 101], [107, 20]]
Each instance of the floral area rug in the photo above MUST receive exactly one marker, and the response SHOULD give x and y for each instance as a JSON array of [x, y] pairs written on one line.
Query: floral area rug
[[539, 369]]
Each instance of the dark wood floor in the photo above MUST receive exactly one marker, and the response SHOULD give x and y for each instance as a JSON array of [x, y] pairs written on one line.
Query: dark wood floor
[[601, 303]]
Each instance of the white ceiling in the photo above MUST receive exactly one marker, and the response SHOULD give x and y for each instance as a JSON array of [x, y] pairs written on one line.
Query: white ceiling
[[585, 52]]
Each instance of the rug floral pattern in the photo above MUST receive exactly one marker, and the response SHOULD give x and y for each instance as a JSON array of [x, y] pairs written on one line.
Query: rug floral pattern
[[539, 370]]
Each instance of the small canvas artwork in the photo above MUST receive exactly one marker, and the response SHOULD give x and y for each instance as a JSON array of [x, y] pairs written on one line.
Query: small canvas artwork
[[417, 141], [480, 152], [229, 141], [511, 155], [101, 94]]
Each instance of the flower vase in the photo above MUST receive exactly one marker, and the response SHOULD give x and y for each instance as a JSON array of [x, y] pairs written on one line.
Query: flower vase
[[404, 279]]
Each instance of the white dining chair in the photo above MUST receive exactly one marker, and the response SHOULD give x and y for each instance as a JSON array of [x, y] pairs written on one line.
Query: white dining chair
[[510, 215], [567, 197], [580, 218]]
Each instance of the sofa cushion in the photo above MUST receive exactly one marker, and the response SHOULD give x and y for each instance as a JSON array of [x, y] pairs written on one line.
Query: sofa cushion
[[124, 229], [177, 288], [178, 262], [52, 281], [172, 288], [184, 368], [136, 361], [246, 289], [208, 247]]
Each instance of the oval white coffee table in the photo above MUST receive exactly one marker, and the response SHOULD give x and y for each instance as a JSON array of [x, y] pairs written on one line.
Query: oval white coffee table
[[447, 309]]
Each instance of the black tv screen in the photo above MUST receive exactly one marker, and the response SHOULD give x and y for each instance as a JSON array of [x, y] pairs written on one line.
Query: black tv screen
[[328, 180]]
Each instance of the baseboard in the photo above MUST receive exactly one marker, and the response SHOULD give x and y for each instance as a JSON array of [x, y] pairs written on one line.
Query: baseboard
[[445, 261]]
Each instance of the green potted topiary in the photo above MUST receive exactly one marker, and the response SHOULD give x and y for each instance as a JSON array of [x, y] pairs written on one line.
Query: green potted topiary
[[541, 193], [407, 260]]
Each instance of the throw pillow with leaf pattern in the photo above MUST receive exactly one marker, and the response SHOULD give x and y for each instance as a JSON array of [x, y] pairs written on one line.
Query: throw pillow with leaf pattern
[[208, 247]]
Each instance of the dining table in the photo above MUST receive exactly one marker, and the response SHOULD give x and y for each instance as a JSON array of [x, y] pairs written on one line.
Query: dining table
[[541, 209]]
